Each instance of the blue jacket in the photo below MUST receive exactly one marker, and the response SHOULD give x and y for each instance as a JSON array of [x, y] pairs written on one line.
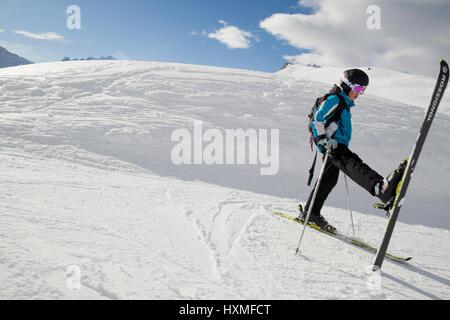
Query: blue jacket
[[340, 130]]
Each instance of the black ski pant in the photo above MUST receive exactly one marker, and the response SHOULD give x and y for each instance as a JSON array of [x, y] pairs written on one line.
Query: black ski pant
[[342, 159]]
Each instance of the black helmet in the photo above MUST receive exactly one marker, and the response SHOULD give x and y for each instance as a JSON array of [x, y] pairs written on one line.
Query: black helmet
[[355, 77]]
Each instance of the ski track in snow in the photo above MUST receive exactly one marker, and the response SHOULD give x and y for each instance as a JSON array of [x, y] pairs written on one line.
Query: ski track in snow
[[87, 181]]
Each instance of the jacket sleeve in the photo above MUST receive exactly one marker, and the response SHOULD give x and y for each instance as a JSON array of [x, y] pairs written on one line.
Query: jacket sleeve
[[324, 112]]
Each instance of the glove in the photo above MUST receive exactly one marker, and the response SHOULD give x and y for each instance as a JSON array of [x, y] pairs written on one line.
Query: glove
[[328, 144]]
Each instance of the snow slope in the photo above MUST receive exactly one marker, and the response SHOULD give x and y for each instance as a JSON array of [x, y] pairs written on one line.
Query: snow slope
[[415, 90], [87, 181]]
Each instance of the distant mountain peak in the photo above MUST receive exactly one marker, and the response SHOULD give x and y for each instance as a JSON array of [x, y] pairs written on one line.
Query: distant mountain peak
[[89, 58], [9, 59]]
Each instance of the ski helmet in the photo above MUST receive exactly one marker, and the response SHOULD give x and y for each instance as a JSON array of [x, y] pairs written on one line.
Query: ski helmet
[[354, 79]]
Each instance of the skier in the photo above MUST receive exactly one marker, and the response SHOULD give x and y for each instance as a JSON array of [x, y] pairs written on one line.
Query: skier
[[331, 129]]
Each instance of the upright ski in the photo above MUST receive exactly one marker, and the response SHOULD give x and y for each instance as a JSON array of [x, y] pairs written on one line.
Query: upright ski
[[412, 161]]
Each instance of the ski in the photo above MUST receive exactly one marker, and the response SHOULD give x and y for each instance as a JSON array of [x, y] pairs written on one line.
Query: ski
[[412, 162], [345, 238]]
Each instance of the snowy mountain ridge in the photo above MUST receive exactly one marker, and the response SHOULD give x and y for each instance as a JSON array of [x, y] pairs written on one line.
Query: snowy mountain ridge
[[415, 90], [9, 59]]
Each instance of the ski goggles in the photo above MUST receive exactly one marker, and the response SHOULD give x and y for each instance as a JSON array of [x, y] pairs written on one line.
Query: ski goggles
[[355, 87]]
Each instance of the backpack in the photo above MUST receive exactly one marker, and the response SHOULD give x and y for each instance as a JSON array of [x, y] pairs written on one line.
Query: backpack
[[334, 117]]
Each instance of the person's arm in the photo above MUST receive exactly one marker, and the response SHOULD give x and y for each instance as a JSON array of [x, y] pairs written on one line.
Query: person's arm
[[325, 111]]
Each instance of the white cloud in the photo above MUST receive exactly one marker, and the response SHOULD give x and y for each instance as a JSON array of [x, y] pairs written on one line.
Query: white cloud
[[40, 36], [203, 33], [413, 35], [2, 30], [232, 37]]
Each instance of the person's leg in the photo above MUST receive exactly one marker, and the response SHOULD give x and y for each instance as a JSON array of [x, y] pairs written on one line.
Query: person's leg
[[329, 180], [350, 164]]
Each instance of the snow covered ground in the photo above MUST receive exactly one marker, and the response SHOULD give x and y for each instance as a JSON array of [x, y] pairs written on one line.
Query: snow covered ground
[[415, 90], [88, 188]]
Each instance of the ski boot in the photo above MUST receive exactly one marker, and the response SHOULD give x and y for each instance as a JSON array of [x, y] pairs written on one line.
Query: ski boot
[[316, 220], [387, 189]]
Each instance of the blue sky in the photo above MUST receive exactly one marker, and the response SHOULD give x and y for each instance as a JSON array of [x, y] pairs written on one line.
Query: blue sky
[[403, 35], [153, 30]]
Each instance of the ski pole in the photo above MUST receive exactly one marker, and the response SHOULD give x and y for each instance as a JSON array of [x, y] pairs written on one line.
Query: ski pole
[[319, 180], [349, 204]]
